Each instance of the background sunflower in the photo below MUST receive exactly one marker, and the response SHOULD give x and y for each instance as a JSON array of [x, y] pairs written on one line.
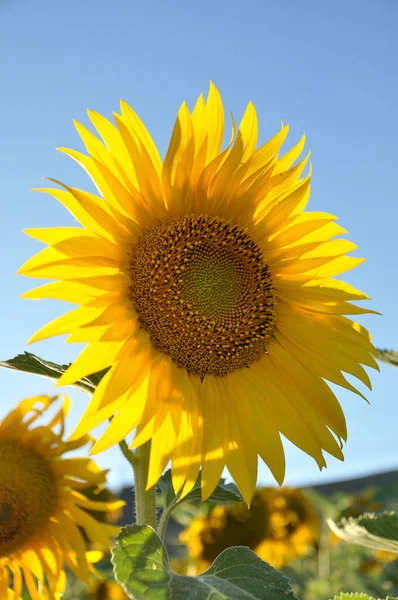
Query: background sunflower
[[43, 511], [280, 526]]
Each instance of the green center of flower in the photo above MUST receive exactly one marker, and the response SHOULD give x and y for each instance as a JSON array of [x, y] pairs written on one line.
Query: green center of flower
[[27, 494], [203, 290]]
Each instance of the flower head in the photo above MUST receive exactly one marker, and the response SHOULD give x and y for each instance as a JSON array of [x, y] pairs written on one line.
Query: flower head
[[106, 590], [207, 290], [42, 510], [280, 526]]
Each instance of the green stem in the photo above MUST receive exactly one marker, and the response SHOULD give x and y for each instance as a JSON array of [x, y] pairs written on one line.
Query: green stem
[[145, 500], [128, 454], [324, 555], [164, 520]]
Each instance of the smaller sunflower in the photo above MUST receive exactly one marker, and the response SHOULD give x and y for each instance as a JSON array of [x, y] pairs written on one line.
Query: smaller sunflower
[[43, 514], [280, 526], [106, 590], [375, 564]]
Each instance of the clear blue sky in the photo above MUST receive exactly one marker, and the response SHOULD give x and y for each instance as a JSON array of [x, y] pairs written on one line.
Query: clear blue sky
[[327, 68]]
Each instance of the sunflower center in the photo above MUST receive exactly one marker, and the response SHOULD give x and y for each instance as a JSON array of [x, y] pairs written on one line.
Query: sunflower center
[[27, 494], [203, 291]]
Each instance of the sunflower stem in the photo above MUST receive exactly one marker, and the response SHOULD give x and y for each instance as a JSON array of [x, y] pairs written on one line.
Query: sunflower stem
[[164, 519], [145, 500], [128, 454]]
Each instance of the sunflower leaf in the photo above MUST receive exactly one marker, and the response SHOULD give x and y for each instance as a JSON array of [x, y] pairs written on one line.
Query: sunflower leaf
[[30, 363], [358, 596], [224, 492], [142, 568], [376, 531], [388, 356]]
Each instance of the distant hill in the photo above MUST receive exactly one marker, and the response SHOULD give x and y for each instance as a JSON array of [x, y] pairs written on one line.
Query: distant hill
[[352, 486]]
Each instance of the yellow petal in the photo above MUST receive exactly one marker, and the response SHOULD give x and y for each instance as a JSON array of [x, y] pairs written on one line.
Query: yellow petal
[[188, 456], [162, 445], [100, 153], [303, 225], [338, 266], [311, 359], [215, 122], [130, 408], [129, 372], [113, 141], [90, 246], [216, 435], [316, 390], [249, 131], [199, 123], [286, 204], [288, 159], [165, 397], [260, 427], [138, 128], [181, 148], [90, 210], [287, 415], [95, 357], [268, 151], [146, 173], [242, 458], [66, 323], [61, 290], [52, 235], [95, 505]]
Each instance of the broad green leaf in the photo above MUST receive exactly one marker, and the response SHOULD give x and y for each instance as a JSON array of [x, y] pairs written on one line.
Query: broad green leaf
[[377, 531], [384, 525], [359, 596], [224, 492], [388, 356], [30, 363], [142, 567]]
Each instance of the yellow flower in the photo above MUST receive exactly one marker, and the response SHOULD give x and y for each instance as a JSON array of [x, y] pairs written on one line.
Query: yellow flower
[[42, 511], [208, 293], [376, 564], [280, 525], [106, 590], [385, 557]]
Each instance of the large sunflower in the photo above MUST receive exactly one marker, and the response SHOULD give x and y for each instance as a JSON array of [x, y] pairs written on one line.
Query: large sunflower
[[42, 511], [207, 290]]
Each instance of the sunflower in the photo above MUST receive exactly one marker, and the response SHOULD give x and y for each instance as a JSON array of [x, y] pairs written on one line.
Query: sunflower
[[207, 291], [42, 511], [280, 526], [106, 590], [376, 564]]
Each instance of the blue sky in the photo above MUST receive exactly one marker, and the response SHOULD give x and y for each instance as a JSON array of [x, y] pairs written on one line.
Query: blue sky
[[328, 69]]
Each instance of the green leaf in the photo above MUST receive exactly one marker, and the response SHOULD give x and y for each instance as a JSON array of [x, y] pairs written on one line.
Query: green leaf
[[359, 596], [30, 363], [388, 356], [376, 531], [224, 492], [142, 567]]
